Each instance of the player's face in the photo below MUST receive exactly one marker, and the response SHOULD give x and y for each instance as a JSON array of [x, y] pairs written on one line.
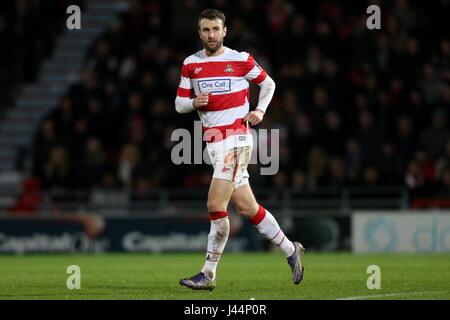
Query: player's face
[[212, 33]]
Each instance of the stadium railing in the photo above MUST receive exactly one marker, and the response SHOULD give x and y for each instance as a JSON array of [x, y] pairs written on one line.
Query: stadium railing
[[174, 201]]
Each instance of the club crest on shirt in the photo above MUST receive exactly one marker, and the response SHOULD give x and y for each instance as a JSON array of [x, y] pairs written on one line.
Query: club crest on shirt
[[197, 70], [229, 68]]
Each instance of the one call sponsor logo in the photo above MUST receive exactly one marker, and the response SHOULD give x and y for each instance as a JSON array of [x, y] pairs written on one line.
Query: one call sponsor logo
[[214, 86]]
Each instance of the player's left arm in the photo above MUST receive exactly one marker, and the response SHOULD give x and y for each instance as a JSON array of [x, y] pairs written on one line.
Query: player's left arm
[[258, 75], [267, 89]]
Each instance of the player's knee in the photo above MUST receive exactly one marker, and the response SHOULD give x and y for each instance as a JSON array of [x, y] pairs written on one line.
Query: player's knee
[[214, 206], [247, 211]]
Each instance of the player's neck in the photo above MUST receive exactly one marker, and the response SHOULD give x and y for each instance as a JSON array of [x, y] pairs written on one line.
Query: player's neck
[[218, 52]]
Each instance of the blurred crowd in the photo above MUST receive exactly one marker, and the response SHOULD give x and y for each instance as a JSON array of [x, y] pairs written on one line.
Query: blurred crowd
[[355, 107], [28, 29]]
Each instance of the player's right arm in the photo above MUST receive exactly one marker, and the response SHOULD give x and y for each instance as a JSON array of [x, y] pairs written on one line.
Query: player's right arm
[[186, 101]]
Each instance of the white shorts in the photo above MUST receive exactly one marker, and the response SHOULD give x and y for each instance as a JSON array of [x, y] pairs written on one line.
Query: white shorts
[[231, 157]]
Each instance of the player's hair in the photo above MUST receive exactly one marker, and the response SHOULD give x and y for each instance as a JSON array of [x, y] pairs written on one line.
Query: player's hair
[[211, 14]]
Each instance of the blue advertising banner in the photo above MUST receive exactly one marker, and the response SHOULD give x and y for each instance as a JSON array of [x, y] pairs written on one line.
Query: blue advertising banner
[[89, 233], [406, 231]]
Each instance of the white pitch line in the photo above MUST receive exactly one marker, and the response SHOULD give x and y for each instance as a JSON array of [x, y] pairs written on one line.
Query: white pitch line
[[391, 295]]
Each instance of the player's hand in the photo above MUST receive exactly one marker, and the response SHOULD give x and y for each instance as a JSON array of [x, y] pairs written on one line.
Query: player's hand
[[201, 100], [254, 117]]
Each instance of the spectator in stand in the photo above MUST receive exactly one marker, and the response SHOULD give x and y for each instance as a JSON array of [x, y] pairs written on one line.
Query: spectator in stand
[[389, 164], [129, 162], [370, 176], [103, 62], [443, 161], [354, 160], [44, 141], [63, 117], [317, 165], [93, 165], [302, 138], [333, 136], [299, 183], [433, 138], [337, 175], [414, 180], [58, 171], [369, 136], [405, 139], [427, 168], [443, 189]]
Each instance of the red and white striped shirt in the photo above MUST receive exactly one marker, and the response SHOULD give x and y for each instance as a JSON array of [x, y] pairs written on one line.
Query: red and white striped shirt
[[226, 77]]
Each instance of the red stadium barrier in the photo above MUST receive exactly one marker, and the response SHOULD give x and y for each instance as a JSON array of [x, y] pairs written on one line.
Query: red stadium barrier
[[430, 203]]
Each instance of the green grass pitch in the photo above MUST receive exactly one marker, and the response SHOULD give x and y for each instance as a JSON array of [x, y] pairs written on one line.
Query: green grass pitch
[[241, 276]]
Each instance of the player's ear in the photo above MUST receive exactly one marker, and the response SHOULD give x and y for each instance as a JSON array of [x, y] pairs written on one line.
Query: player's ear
[[224, 31]]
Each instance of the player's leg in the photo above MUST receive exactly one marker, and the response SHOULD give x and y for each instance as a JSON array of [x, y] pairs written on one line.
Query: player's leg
[[219, 195], [229, 165], [228, 168], [247, 206]]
